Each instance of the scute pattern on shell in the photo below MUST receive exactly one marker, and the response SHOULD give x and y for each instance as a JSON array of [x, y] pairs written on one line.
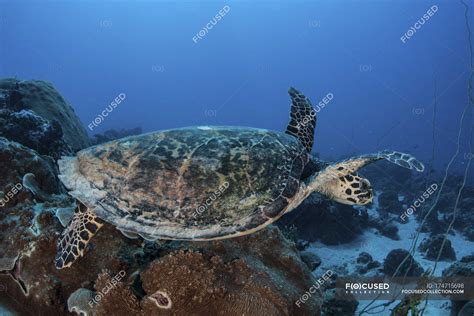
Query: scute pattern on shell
[[193, 183]]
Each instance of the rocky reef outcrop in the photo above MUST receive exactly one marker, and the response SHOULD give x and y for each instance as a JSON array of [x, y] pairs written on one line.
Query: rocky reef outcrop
[[385, 226], [365, 263], [395, 264], [235, 277], [461, 272], [17, 161], [311, 259], [335, 306], [33, 131], [29, 190], [436, 247], [43, 99], [253, 275]]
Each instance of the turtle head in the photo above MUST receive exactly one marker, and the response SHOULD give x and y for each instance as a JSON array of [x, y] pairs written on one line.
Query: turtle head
[[356, 192], [350, 189], [340, 181]]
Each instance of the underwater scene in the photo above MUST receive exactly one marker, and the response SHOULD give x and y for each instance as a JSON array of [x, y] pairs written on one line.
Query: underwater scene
[[236, 157]]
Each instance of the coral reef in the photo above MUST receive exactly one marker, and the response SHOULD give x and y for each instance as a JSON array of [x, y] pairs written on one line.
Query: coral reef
[[78, 302], [334, 306], [459, 272], [409, 268], [216, 285], [467, 309], [17, 161], [442, 214], [432, 247], [311, 259], [31, 130], [20, 220], [385, 226], [465, 219], [254, 275], [43, 99], [365, 263]]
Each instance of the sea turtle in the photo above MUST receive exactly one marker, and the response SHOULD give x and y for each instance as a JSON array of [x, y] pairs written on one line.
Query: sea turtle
[[205, 183]]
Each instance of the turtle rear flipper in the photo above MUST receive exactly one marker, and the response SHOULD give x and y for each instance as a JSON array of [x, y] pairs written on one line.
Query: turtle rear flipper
[[72, 243], [341, 183], [302, 119]]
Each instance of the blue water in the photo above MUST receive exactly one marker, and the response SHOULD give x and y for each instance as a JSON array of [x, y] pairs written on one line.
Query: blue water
[[239, 72], [374, 82]]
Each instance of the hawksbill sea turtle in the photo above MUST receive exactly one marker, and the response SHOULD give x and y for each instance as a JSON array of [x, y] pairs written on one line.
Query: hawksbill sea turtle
[[205, 183]]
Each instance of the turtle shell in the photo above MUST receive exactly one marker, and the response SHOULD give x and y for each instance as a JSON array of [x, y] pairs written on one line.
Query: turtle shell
[[192, 183]]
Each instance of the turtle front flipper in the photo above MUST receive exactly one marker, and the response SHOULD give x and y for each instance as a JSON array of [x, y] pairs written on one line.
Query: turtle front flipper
[[302, 119], [341, 183], [398, 158], [72, 243]]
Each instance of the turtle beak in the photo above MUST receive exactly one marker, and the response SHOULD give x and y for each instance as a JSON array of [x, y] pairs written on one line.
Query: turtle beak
[[366, 195]]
